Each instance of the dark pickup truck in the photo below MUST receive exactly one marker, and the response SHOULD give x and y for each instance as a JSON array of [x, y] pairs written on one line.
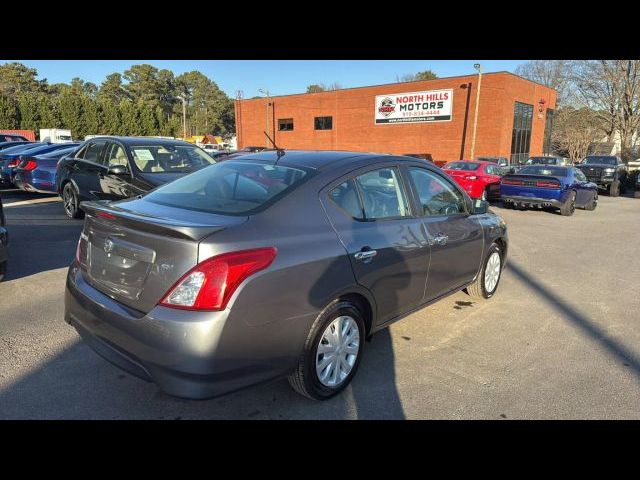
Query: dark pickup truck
[[608, 172]]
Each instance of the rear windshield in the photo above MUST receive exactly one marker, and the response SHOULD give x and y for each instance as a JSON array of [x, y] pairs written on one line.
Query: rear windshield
[[546, 170], [168, 158], [470, 166], [601, 160], [231, 188], [542, 161]]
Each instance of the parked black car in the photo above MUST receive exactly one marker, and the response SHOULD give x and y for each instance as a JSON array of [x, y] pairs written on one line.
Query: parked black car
[[4, 240], [114, 168], [608, 172]]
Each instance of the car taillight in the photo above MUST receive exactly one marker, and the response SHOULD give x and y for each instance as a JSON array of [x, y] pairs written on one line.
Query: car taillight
[[30, 165], [14, 162], [211, 283], [106, 215], [546, 184], [507, 181]]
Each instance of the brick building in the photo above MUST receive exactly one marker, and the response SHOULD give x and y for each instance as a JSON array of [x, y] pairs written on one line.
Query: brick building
[[431, 118]]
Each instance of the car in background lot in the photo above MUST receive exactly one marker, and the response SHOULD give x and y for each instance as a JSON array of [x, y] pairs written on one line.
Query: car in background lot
[[252, 149], [608, 172], [4, 242], [11, 157], [478, 179], [636, 185], [114, 168], [12, 137], [502, 162], [209, 283], [548, 186], [37, 173]]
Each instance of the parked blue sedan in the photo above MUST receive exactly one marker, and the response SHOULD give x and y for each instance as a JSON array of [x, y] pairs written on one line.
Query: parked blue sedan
[[548, 186], [37, 173], [11, 157]]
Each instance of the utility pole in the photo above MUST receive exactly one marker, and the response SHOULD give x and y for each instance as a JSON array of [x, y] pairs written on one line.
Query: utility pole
[[478, 67], [184, 116], [267, 129]]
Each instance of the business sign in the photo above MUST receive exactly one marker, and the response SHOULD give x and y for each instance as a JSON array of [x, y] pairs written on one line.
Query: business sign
[[414, 107]]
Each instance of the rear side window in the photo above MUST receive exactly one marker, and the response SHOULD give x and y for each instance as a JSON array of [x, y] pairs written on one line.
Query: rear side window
[[92, 152], [346, 197], [230, 188]]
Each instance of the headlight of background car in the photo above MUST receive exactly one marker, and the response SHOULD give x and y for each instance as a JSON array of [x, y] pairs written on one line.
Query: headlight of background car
[[609, 170]]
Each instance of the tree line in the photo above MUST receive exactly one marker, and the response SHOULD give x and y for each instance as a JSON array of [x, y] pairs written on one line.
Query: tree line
[[598, 101], [143, 100]]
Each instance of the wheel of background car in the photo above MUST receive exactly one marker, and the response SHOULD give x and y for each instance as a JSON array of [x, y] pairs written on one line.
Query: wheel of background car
[[614, 189], [70, 201], [486, 283], [332, 352], [484, 194], [3, 270]]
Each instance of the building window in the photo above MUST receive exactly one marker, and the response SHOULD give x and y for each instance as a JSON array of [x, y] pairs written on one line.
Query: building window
[[521, 136], [323, 123], [285, 124], [548, 128]]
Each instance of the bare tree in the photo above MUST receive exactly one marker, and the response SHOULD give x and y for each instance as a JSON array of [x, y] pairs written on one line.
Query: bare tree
[[575, 131], [555, 74]]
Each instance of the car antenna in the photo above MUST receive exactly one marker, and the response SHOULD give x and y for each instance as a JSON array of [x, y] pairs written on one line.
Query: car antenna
[[279, 151]]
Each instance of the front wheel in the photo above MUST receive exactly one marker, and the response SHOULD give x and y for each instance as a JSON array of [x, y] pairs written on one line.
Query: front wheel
[[487, 281], [592, 204], [71, 202], [331, 353]]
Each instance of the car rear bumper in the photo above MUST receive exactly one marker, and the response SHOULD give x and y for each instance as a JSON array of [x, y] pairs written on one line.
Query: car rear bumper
[[30, 184], [522, 200], [187, 354]]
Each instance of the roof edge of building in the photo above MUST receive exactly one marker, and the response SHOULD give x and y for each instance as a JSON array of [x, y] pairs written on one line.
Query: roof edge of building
[[500, 72]]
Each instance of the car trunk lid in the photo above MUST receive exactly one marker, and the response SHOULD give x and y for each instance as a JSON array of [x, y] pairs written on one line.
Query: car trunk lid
[[135, 251]]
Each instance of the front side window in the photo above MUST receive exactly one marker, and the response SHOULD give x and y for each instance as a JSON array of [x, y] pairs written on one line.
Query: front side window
[[285, 124], [437, 195], [230, 188], [116, 156], [167, 158], [323, 123], [93, 151], [383, 194]]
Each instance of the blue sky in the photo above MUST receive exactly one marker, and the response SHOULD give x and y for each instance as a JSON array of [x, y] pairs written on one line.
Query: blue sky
[[280, 77]]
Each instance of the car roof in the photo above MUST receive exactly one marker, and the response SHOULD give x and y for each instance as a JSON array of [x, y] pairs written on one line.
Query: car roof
[[142, 140], [314, 159]]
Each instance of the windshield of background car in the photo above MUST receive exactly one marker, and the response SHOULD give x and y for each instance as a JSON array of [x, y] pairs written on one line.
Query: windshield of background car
[[230, 188], [546, 170], [167, 158], [467, 166], [600, 160]]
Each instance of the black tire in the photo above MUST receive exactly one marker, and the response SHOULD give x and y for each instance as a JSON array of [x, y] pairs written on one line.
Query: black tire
[[485, 195], [569, 206], [70, 201], [304, 379], [478, 288], [614, 189], [636, 194], [3, 270], [592, 204]]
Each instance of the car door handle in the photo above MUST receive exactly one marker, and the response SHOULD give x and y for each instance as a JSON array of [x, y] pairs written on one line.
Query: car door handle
[[365, 256], [440, 239]]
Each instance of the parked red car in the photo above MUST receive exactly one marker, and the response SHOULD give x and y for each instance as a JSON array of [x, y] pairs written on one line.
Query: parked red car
[[479, 179]]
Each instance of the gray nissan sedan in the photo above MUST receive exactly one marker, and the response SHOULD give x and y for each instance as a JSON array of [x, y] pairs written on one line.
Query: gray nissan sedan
[[275, 264]]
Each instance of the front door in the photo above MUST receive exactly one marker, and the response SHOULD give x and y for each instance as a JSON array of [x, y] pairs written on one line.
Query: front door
[[387, 247], [456, 237]]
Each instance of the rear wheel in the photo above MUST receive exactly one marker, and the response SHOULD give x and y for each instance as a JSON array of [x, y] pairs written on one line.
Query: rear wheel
[[569, 206], [487, 281], [331, 353], [71, 202], [3, 270], [614, 189]]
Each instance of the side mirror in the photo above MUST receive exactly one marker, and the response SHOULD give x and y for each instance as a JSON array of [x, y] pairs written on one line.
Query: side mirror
[[480, 207], [118, 170]]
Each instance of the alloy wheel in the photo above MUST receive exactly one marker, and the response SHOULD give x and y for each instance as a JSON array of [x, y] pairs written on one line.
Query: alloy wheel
[[337, 351], [492, 272], [69, 199]]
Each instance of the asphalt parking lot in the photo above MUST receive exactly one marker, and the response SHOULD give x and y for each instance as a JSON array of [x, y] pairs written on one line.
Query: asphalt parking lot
[[559, 340]]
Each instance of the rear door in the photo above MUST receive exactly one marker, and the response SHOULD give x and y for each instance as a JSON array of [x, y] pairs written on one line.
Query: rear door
[[388, 248], [455, 236]]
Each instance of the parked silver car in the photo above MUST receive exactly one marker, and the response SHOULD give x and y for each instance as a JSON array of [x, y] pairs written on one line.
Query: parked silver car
[[275, 264]]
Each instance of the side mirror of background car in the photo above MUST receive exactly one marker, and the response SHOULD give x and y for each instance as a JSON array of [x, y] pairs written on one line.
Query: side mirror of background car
[[480, 207], [118, 170]]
